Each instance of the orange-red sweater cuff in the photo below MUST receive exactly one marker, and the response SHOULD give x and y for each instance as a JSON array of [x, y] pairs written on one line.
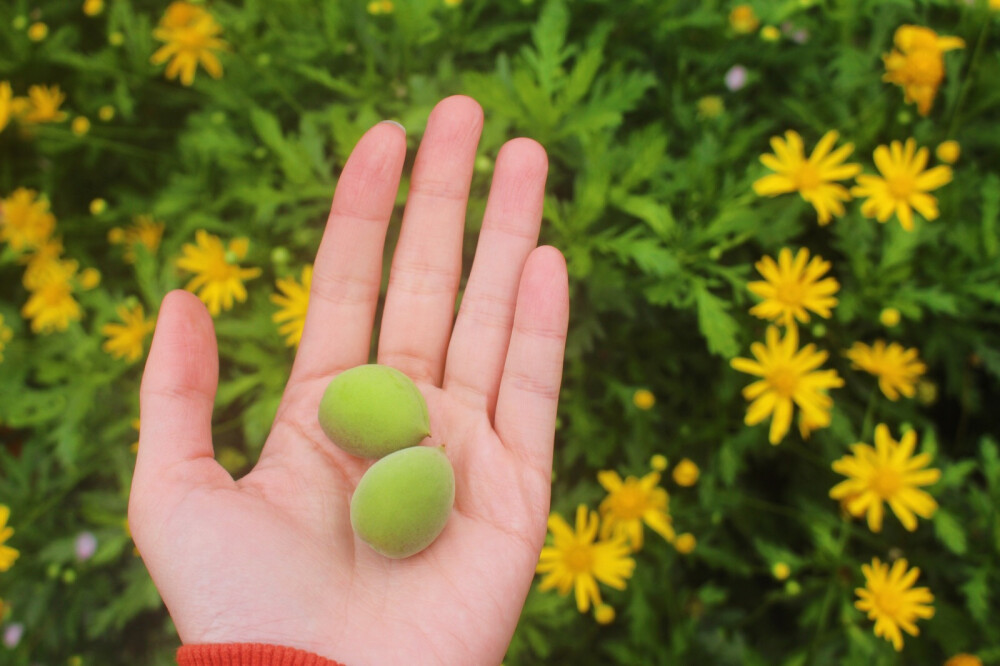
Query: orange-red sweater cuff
[[248, 654]]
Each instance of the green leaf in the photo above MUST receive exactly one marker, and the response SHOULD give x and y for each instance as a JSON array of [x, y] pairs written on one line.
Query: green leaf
[[715, 324], [976, 591], [950, 532]]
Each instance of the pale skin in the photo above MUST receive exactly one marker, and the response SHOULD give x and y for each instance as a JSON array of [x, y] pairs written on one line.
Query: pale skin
[[271, 557]]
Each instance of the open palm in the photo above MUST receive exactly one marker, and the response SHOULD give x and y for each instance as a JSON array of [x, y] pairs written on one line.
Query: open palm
[[271, 557]]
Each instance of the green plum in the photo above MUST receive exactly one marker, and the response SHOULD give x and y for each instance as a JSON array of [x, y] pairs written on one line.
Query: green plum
[[373, 410], [403, 501]]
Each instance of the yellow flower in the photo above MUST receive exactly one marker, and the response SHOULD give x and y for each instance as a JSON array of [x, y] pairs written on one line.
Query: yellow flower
[[685, 543], [376, 7], [43, 105], [6, 334], [790, 287], [903, 184], [38, 31], [916, 64], [643, 399], [456, 3], [80, 125], [888, 599], [106, 112], [6, 104], [813, 178], [966, 659], [294, 303], [889, 317], [218, 280], [89, 278], [631, 503], [743, 20], [710, 106], [897, 369], [574, 561], [7, 554], [127, 340], [948, 151], [781, 570], [39, 263], [686, 473], [144, 231], [25, 221], [769, 33], [93, 7], [887, 473], [788, 375], [191, 35], [604, 614], [658, 462], [51, 306]]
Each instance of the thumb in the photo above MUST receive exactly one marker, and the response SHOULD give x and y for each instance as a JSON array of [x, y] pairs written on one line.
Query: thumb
[[176, 400]]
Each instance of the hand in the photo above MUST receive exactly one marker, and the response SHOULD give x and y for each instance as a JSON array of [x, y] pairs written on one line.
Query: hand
[[271, 557]]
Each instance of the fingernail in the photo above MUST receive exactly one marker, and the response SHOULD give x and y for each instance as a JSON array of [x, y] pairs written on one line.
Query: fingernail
[[393, 122]]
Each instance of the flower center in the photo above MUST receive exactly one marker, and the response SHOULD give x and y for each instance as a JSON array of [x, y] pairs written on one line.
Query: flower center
[[578, 558], [889, 602], [784, 381], [629, 502], [925, 67], [886, 482], [901, 187], [806, 178], [789, 293]]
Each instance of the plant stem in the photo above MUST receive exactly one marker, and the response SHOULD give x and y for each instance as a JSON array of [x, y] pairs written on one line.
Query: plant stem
[[831, 588], [967, 83]]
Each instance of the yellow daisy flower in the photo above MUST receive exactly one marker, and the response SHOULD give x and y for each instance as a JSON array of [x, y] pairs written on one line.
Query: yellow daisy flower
[[916, 64], [903, 185], [25, 220], [632, 502], [789, 376], [813, 178], [948, 151], [685, 543], [575, 562], [93, 7], [897, 369], [888, 599], [643, 399], [127, 340], [6, 335], [191, 36], [7, 554], [964, 660], [294, 303], [686, 473], [43, 105], [6, 104], [218, 280], [376, 7], [144, 231], [887, 473], [39, 263], [792, 286], [51, 306], [743, 20]]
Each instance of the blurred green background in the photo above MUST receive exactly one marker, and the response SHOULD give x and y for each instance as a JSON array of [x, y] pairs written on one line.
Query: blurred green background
[[655, 115]]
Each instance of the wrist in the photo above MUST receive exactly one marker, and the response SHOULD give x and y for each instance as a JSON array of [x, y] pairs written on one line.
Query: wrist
[[248, 654]]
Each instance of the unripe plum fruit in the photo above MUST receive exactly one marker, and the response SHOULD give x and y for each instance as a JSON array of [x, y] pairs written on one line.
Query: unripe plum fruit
[[403, 501], [372, 410]]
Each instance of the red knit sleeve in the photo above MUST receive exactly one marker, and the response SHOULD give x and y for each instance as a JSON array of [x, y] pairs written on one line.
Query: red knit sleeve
[[248, 654]]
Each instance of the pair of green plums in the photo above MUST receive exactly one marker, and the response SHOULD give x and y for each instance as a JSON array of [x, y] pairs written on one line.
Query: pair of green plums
[[403, 501]]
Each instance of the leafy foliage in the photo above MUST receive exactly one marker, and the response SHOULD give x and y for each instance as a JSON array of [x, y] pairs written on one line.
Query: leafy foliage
[[650, 199]]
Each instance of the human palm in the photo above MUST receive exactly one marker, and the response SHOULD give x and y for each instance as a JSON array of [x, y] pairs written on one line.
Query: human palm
[[271, 557]]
